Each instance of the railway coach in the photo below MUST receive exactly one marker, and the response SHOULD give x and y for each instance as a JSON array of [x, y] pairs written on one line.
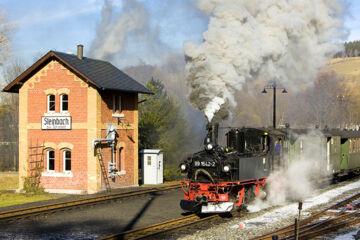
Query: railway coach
[[337, 152]]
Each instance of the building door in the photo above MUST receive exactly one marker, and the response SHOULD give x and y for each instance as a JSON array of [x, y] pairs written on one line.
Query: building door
[[344, 154], [160, 167], [328, 155], [150, 169]]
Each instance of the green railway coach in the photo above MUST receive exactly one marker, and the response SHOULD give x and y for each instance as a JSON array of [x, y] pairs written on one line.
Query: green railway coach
[[334, 152]]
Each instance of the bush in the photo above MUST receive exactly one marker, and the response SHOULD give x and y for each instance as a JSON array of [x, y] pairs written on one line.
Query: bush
[[171, 173], [31, 187]]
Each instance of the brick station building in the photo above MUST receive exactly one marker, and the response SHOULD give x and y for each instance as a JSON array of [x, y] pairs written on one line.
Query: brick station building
[[66, 102]]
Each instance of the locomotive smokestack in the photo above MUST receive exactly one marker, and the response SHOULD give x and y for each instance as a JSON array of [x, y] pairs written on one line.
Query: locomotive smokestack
[[213, 129]]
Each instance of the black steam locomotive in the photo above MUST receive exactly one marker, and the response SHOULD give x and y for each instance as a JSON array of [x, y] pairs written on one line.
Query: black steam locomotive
[[221, 178]]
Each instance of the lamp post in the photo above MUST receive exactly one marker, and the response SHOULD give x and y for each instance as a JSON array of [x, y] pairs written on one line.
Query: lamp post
[[273, 86], [341, 100]]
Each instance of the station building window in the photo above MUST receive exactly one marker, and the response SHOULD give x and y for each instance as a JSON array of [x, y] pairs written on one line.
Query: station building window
[[117, 104], [64, 102], [121, 166], [67, 161], [51, 103], [50, 161]]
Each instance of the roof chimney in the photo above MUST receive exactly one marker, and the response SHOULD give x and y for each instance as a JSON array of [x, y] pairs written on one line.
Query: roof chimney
[[80, 49]]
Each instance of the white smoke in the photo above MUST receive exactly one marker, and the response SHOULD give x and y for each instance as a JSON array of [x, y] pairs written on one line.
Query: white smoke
[[127, 38], [282, 40], [299, 178], [112, 31]]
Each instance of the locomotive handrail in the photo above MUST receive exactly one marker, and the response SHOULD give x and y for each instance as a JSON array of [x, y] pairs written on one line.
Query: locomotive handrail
[[204, 171], [182, 186]]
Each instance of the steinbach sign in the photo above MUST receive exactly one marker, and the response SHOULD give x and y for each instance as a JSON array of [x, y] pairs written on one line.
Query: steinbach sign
[[55, 122]]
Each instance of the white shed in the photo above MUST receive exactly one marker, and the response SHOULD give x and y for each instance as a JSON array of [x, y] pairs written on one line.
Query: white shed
[[152, 166]]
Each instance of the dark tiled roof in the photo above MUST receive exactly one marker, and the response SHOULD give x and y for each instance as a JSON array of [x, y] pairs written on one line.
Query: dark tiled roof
[[104, 74], [99, 73]]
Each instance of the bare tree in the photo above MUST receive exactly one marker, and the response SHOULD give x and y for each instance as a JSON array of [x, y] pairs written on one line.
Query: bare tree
[[326, 103], [5, 37], [9, 120]]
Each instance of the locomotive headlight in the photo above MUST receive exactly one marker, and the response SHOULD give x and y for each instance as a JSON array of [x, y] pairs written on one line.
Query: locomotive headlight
[[183, 167], [209, 146], [226, 168]]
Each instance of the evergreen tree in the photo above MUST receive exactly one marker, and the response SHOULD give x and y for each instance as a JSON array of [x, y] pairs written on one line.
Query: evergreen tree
[[162, 125], [351, 49]]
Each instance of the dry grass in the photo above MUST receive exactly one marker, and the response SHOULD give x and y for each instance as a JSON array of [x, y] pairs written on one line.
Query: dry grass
[[11, 198], [347, 67], [10, 182]]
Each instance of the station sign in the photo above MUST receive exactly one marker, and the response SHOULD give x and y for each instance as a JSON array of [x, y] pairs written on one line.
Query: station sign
[[56, 123]]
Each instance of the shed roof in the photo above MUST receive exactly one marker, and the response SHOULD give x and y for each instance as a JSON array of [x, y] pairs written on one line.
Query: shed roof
[[101, 74], [151, 151], [342, 133]]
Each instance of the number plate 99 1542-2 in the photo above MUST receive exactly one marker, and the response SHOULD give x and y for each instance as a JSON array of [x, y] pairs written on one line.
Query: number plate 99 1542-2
[[204, 164]]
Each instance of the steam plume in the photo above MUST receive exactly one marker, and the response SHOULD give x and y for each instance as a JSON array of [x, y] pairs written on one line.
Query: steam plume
[[111, 33], [127, 38], [298, 180], [286, 41]]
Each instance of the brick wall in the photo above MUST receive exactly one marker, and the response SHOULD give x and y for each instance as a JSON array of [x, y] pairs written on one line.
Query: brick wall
[[78, 138], [125, 139], [56, 79]]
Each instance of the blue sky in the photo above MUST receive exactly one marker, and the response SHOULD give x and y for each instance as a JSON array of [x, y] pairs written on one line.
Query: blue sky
[[60, 25]]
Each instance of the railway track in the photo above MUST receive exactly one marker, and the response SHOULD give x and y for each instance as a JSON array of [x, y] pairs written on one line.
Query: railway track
[[322, 222], [17, 214], [155, 230], [339, 219]]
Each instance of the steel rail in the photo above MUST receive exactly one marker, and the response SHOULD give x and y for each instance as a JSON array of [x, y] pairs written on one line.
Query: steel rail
[[332, 228], [282, 232], [320, 226], [25, 212], [160, 228], [288, 234]]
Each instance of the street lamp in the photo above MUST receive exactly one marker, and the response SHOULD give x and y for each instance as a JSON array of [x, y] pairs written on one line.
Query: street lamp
[[341, 99], [273, 86]]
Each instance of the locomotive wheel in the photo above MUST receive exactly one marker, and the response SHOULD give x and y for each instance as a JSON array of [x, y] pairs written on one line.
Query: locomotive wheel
[[264, 193], [248, 198], [249, 195]]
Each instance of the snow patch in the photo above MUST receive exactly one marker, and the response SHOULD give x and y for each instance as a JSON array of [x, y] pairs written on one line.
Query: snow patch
[[292, 209]]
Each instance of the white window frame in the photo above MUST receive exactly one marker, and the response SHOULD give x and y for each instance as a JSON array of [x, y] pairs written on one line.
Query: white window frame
[[117, 99], [64, 161], [48, 103], [61, 103], [121, 167], [48, 160]]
